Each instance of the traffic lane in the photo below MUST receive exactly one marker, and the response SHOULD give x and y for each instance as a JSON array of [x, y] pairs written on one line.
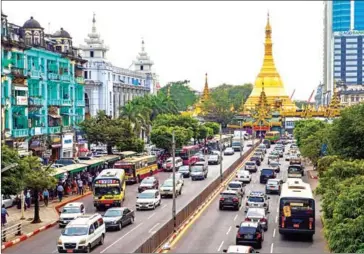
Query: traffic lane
[[190, 190]]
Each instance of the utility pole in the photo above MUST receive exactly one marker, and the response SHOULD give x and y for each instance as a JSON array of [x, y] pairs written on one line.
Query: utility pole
[[174, 183], [221, 153], [241, 140]]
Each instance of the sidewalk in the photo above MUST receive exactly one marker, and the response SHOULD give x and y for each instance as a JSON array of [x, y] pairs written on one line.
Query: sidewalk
[[48, 215]]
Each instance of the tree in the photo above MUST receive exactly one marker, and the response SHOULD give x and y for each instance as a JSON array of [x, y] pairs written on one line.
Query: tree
[[161, 136], [132, 144], [312, 145], [181, 94], [214, 126], [304, 128], [204, 132], [12, 180], [137, 115]]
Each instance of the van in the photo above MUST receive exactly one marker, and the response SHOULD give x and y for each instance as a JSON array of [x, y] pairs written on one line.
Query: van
[[70, 212], [199, 170], [168, 165], [82, 234]]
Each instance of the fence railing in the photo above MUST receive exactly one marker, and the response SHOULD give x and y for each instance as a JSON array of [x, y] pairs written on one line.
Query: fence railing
[[158, 238], [13, 230]]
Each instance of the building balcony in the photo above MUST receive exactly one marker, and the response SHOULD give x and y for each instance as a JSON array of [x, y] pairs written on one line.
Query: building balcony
[[65, 77], [80, 80], [66, 102], [54, 130], [38, 131], [17, 72], [35, 73], [67, 129], [54, 102], [36, 101], [20, 101], [20, 133], [53, 76], [80, 103]]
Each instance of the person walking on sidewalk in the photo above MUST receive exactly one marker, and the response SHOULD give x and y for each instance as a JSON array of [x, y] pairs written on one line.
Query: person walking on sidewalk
[[46, 197], [80, 187], [28, 199], [60, 190], [4, 213]]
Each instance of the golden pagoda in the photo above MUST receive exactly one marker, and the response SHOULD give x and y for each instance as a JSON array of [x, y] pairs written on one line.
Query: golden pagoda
[[206, 93], [270, 79]]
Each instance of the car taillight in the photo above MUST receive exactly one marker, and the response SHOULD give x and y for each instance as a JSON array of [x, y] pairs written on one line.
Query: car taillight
[[259, 235], [263, 220], [247, 219], [238, 235], [222, 199], [235, 199], [283, 221]]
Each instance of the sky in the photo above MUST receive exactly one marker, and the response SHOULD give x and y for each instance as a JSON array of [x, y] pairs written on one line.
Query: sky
[[188, 39]]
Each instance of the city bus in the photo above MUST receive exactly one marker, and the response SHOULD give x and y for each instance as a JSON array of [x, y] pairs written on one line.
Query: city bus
[[187, 154], [127, 154], [138, 167], [226, 140], [109, 188], [273, 136], [296, 208]]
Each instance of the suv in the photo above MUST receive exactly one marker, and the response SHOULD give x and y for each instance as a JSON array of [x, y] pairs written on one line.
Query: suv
[[251, 166], [294, 160], [166, 188], [250, 233], [295, 170], [265, 174], [257, 199], [256, 159], [148, 199], [82, 234], [237, 186], [148, 183], [230, 198], [70, 212], [199, 171]]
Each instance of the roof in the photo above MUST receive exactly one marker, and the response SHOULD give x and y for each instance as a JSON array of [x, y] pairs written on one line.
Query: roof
[[149, 191], [74, 204], [111, 173], [238, 249], [62, 33], [31, 23], [256, 193], [228, 192], [255, 211], [249, 224], [302, 190]]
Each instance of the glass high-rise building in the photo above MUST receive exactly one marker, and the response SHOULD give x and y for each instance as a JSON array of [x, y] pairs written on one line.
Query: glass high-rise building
[[347, 15]]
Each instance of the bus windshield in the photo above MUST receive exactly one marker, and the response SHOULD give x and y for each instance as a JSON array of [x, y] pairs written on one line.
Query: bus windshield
[[100, 191], [298, 207], [294, 169]]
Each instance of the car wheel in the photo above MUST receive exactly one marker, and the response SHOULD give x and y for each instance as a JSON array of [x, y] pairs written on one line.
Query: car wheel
[[221, 208], [154, 206], [88, 249], [102, 239], [180, 192], [132, 220], [120, 226], [259, 245]]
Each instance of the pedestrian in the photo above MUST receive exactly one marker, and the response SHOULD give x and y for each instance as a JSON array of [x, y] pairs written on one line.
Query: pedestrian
[[4, 213], [80, 187], [28, 199], [45, 197], [60, 190], [74, 186]]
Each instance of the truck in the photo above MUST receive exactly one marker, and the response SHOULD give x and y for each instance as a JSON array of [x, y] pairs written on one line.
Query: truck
[[238, 144], [244, 134]]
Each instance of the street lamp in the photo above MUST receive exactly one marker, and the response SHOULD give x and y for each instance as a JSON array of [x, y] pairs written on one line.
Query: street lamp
[[241, 140], [221, 153], [174, 182]]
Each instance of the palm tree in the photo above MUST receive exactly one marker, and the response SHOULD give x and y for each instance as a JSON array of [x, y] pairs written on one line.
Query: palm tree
[[137, 115]]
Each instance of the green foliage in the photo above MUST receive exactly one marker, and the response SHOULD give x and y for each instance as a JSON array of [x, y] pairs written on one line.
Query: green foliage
[[204, 132], [325, 162], [181, 94], [170, 120], [161, 136], [132, 144], [214, 126]]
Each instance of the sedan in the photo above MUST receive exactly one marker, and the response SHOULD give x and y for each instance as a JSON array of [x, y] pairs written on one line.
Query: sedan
[[259, 215], [118, 217], [256, 159], [251, 166], [243, 176], [185, 171], [179, 177], [273, 186], [148, 183], [214, 159], [229, 151], [275, 165], [240, 249]]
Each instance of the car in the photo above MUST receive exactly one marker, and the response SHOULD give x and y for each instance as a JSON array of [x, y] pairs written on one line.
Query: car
[[257, 199], [295, 160], [295, 171], [168, 164], [236, 186], [166, 188], [118, 217], [276, 166], [243, 176], [213, 159], [200, 157], [199, 172], [251, 166], [82, 234], [70, 212], [267, 143], [279, 151], [67, 161], [263, 147], [273, 186], [179, 177], [240, 249], [265, 174], [185, 171], [287, 156], [249, 143], [260, 155], [260, 150], [257, 160], [148, 199], [259, 215], [230, 198], [273, 157], [7, 200], [229, 151], [250, 233], [148, 183]]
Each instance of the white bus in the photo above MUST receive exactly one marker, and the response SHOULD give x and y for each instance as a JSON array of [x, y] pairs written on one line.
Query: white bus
[[296, 208]]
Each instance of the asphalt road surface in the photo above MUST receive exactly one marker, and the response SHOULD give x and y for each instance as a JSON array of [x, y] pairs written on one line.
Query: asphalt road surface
[[146, 222], [216, 230]]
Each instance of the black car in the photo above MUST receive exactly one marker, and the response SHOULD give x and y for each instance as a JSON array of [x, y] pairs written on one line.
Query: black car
[[230, 198], [185, 171], [267, 143], [250, 233], [256, 159], [116, 218], [265, 174]]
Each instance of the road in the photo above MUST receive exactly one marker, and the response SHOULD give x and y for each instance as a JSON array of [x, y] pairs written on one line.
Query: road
[[215, 230], [146, 222]]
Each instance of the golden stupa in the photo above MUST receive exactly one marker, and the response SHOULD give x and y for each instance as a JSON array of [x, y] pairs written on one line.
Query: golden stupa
[[270, 79]]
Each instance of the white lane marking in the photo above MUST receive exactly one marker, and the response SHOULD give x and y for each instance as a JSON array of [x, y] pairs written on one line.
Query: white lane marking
[[218, 250], [54, 251], [274, 233], [277, 209], [151, 216], [236, 216], [228, 230], [151, 230], [122, 237], [164, 206], [276, 219], [271, 248]]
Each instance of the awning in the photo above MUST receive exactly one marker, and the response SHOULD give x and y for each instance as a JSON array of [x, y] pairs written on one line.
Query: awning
[[54, 115], [68, 114], [83, 150], [56, 145], [77, 170]]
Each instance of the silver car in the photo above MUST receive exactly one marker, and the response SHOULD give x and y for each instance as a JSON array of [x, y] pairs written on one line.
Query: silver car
[[237, 186], [259, 215], [257, 199]]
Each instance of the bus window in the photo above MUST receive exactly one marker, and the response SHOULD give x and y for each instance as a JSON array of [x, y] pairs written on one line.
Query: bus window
[[298, 207]]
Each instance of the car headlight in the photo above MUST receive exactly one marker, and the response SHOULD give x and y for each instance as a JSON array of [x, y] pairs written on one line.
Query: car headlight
[[151, 203], [59, 242], [115, 222], [83, 241]]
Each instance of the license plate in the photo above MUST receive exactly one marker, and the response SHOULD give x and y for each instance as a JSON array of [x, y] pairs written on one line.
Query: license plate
[[107, 204], [69, 251], [249, 237], [271, 187], [255, 205], [296, 225]]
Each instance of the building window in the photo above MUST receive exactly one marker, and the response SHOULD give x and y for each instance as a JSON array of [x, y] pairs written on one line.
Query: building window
[[337, 46], [110, 99], [355, 40], [337, 63], [351, 68], [103, 54], [108, 76], [113, 77], [337, 52], [352, 51], [351, 63], [141, 67], [337, 74], [91, 54], [351, 57], [89, 75], [337, 57], [351, 74], [337, 68], [351, 80], [85, 74], [351, 46]]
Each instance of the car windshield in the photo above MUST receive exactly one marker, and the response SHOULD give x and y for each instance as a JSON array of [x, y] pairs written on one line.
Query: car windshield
[[247, 230], [183, 169], [250, 164], [244, 172], [168, 184], [148, 181], [267, 172], [113, 213], [196, 169], [256, 199], [228, 195], [272, 182], [293, 169], [146, 195], [75, 231], [274, 164], [100, 191], [71, 210], [234, 185]]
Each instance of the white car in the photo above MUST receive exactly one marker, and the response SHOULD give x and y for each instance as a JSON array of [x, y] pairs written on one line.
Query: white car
[[240, 249], [7, 200], [166, 188], [70, 212], [148, 199], [179, 177], [82, 234], [243, 176], [168, 164], [236, 186]]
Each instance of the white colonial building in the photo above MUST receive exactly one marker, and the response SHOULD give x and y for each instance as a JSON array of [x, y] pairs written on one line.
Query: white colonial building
[[108, 87]]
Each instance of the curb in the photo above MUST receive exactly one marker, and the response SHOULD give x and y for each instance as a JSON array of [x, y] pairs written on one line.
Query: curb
[[28, 235], [312, 177]]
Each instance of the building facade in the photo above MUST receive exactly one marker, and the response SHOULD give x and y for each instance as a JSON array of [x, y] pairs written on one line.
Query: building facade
[[109, 87], [42, 91]]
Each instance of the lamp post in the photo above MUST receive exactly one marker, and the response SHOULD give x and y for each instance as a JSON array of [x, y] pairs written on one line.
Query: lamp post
[[174, 182], [241, 140], [221, 153]]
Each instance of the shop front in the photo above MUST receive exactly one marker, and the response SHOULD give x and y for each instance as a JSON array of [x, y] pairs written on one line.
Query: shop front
[[67, 146], [37, 146], [81, 144], [55, 145]]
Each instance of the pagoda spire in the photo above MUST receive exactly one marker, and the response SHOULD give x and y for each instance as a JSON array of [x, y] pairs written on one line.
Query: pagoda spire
[[206, 94], [143, 46], [94, 23]]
